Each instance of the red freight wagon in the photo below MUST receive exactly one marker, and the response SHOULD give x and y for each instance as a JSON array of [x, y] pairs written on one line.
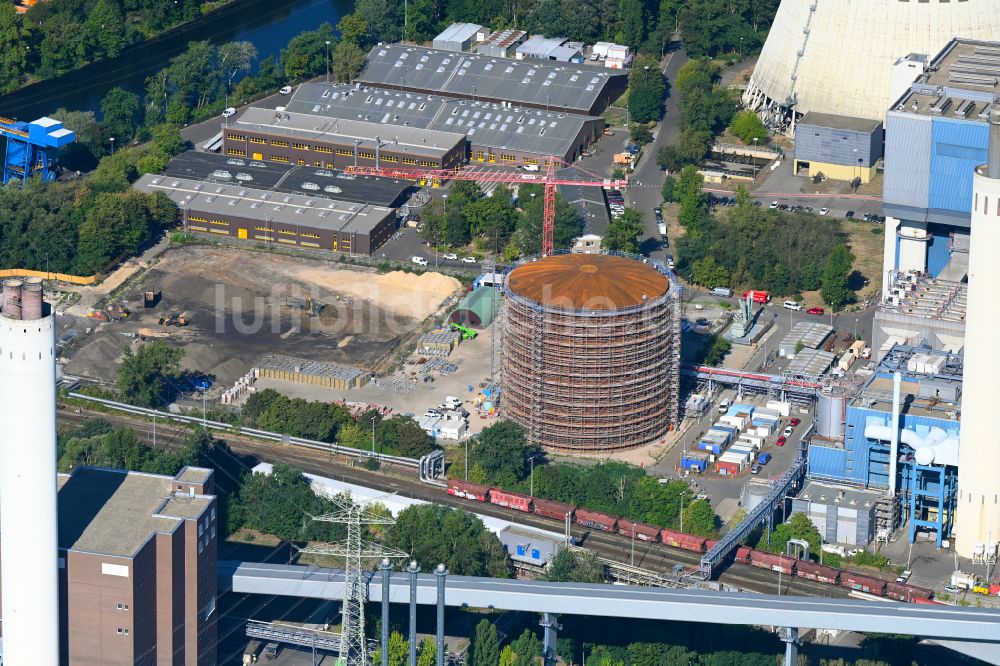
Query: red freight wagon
[[743, 554], [817, 572], [772, 561], [640, 531], [902, 592], [510, 500], [551, 509], [853, 581], [695, 544], [927, 602], [469, 490], [709, 544], [595, 520]]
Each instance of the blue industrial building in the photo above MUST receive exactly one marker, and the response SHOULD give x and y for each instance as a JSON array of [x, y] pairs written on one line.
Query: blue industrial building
[[858, 453], [935, 135], [31, 147]]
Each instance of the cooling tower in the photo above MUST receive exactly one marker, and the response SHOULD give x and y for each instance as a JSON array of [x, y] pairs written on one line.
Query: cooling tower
[[977, 513], [837, 56]]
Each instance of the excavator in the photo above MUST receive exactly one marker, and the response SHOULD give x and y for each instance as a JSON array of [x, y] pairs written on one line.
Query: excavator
[[467, 333]]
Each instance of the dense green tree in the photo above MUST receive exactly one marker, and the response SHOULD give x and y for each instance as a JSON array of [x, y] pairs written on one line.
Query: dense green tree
[[493, 218], [640, 134], [528, 649], [428, 653], [747, 126], [305, 55], [402, 436], [399, 649], [119, 113], [836, 290], [502, 451], [432, 534], [624, 232], [716, 349], [528, 235], [669, 189], [484, 646], [646, 89], [353, 29], [699, 518], [580, 20], [235, 58], [147, 376], [104, 30], [799, 526], [716, 27], [630, 29], [575, 567], [348, 58], [15, 45], [709, 274], [507, 657], [384, 18]]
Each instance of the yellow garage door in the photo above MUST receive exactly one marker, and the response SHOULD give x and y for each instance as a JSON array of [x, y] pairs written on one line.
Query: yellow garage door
[[258, 156], [241, 233]]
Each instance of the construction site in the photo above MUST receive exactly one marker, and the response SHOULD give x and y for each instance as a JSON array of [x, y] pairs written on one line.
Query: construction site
[[590, 352], [229, 308]]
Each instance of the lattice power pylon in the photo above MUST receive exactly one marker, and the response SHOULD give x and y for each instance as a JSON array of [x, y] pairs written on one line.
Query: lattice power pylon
[[353, 651]]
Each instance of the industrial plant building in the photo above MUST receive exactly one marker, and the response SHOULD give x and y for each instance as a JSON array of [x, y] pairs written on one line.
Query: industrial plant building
[[301, 220], [838, 147], [274, 177], [569, 88], [842, 515], [590, 351], [496, 133], [334, 143], [854, 439], [138, 566], [460, 36], [837, 57], [502, 43], [936, 134]]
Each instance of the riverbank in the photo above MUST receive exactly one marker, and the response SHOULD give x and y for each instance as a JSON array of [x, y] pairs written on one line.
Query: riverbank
[[266, 24]]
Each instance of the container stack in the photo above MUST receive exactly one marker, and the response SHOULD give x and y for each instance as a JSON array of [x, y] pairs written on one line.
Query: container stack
[[439, 342], [318, 373]]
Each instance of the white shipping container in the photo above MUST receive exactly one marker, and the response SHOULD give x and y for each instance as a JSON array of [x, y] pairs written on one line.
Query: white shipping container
[[767, 413], [764, 431], [782, 408], [601, 49]]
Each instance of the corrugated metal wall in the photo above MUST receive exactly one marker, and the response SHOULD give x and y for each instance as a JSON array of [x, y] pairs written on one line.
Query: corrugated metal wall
[[907, 171], [958, 147], [826, 462]]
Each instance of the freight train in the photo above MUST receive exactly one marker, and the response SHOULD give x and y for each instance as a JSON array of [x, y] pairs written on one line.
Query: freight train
[[689, 542]]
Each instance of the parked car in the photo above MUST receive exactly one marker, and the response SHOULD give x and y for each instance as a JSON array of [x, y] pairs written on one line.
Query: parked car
[[952, 589], [781, 441], [451, 256], [530, 167], [816, 311], [792, 305], [849, 214], [468, 260], [774, 204], [285, 90], [419, 261], [229, 113], [764, 458], [787, 432], [755, 469], [721, 291], [795, 421], [824, 211], [658, 212]]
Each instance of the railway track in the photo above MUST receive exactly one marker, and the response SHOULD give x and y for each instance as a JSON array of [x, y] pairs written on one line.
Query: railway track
[[398, 480]]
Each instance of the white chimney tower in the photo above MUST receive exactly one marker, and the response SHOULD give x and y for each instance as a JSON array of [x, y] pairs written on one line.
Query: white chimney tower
[[977, 516], [29, 566]]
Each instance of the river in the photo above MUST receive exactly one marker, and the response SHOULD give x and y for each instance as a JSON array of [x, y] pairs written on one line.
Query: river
[[269, 24]]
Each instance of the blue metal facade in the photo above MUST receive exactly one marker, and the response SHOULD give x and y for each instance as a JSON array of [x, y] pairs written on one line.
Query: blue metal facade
[[938, 250], [957, 148]]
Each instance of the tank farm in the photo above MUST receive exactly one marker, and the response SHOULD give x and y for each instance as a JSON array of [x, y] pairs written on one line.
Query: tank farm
[[590, 355]]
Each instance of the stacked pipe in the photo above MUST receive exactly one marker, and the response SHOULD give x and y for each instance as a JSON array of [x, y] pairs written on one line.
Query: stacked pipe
[[22, 299]]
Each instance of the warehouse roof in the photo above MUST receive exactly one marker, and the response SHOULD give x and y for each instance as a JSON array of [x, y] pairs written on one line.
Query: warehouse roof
[[419, 142], [588, 282], [282, 178], [540, 46], [256, 204], [458, 32], [114, 512], [484, 123], [540, 83]]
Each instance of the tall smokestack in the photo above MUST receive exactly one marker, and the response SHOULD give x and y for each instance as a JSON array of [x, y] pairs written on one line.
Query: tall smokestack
[[977, 515], [29, 568]]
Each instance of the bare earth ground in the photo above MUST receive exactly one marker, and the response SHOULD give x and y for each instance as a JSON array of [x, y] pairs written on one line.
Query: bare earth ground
[[243, 304]]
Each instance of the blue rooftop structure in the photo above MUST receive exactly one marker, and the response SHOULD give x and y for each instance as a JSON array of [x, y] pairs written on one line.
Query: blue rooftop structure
[[31, 147]]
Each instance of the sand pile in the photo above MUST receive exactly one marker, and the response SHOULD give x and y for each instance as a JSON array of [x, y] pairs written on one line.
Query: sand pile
[[406, 294]]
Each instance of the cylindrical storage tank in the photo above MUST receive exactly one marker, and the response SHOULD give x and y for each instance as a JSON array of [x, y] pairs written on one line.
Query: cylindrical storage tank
[[31, 299], [29, 565], [12, 298], [831, 412], [590, 353]]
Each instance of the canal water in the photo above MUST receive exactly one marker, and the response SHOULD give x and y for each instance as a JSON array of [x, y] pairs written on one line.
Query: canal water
[[269, 24]]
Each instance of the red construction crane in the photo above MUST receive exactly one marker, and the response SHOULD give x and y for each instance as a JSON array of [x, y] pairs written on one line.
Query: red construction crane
[[509, 176]]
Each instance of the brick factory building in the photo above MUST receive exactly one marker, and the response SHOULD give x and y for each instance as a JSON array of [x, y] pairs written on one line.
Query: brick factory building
[[137, 567], [334, 143], [274, 217]]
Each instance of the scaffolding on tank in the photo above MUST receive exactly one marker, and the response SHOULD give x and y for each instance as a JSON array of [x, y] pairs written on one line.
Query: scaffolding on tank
[[592, 380]]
